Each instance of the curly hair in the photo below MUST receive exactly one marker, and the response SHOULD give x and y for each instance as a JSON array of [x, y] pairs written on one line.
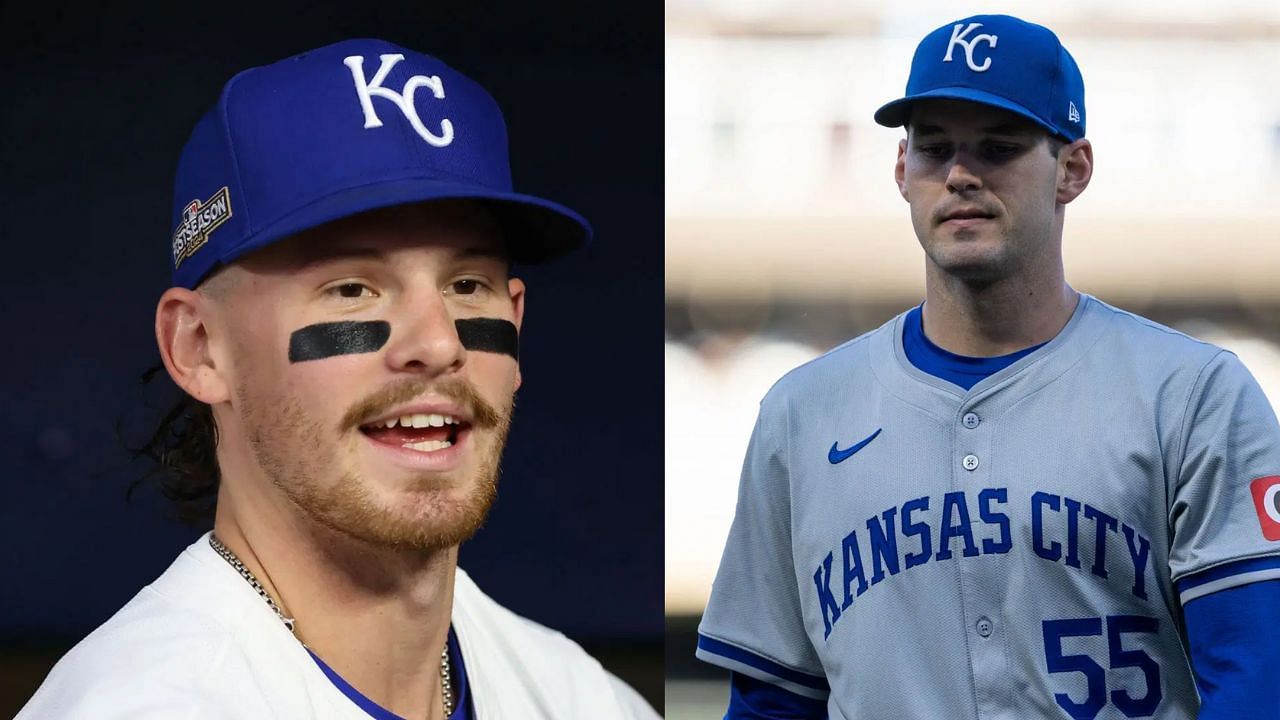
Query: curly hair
[[183, 448]]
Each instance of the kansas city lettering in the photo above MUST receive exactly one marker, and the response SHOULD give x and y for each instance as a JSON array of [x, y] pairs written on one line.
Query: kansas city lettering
[[928, 529]]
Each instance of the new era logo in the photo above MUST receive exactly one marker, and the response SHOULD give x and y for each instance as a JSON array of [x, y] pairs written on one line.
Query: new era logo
[[1266, 500], [1073, 114]]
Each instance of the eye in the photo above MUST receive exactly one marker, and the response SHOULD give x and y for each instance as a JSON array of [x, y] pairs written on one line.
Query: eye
[[465, 287], [935, 151], [473, 289], [999, 150], [351, 290]]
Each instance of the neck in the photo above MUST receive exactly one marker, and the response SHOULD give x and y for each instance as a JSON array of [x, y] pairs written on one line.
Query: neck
[[378, 616], [996, 318]]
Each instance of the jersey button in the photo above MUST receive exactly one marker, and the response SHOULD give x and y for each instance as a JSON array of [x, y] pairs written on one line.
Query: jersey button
[[971, 420], [984, 626], [970, 462]]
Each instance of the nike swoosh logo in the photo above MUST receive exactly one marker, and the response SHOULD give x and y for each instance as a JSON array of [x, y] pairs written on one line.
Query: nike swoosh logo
[[836, 456]]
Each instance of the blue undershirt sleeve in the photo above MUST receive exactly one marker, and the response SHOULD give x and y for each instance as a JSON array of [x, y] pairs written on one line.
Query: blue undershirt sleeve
[[1235, 651], [751, 699]]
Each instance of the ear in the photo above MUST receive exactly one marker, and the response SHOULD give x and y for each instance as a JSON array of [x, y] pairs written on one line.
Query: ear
[[1075, 168], [182, 332], [900, 169], [515, 288]]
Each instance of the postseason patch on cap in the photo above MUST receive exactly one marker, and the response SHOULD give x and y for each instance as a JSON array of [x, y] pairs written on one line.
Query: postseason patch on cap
[[199, 218], [1266, 500]]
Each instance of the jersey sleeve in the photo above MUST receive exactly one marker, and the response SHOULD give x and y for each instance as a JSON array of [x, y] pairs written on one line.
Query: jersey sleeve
[[1225, 502], [753, 623]]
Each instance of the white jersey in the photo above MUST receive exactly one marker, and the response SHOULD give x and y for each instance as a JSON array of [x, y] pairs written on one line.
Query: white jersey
[[906, 549], [199, 643]]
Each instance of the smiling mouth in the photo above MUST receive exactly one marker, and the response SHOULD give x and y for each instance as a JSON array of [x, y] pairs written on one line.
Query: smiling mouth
[[420, 432]]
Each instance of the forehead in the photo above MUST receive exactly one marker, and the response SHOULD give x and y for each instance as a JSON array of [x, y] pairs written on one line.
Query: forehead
[[930, 117], [448, 227]]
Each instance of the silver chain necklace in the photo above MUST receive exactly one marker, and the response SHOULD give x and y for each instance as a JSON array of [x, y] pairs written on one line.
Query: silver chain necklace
[[446, 686]]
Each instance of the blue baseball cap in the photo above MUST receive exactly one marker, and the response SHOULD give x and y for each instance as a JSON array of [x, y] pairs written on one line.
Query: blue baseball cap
[[354, 126], [1000, 61]]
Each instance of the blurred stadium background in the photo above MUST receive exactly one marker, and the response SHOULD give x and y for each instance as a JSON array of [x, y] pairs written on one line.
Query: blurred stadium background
[[786, 235]]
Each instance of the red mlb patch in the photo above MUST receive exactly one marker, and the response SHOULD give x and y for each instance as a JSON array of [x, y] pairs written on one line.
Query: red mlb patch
[[1266, 500]]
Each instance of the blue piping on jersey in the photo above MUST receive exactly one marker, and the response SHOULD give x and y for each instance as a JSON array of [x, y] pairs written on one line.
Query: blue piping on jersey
[[745, 657], [462, 709], [1224, 571]]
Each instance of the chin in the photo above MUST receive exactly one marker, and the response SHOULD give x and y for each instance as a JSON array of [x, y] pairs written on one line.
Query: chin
[[970, 259], [972, 267], [431, 514]]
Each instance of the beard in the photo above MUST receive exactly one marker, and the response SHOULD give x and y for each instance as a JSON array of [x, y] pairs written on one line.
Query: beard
[[291, 448]]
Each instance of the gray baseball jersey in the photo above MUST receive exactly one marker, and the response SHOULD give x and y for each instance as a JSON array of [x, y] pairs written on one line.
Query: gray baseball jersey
[[906, 549]]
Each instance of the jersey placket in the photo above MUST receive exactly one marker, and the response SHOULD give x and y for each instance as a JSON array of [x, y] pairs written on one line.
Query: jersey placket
[[981, 581]]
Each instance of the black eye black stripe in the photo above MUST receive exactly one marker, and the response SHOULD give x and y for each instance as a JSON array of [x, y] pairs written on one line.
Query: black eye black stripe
[[323, 340], [489, 335], [316, 342]]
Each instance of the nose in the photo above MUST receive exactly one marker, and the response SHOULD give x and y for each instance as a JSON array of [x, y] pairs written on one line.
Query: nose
[[424, 338], [960, 176]]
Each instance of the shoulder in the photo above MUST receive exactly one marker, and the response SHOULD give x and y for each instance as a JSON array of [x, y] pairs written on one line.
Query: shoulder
[[1185, 376], [843, 363], [161, 655], [520, 664], [148, 655], [1147, 338]]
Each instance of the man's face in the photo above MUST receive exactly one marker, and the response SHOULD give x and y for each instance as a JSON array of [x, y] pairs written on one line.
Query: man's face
[[398, 444], [982, 184]]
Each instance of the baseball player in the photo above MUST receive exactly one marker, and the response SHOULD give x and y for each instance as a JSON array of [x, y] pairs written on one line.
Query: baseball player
[[342, 312], [1013, 501]]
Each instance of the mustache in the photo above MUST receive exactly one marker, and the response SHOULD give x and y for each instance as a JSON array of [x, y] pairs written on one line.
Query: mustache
[[483, 413]]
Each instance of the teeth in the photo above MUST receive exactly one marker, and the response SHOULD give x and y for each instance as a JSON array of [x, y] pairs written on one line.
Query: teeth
[[421, 420], [429, 445]]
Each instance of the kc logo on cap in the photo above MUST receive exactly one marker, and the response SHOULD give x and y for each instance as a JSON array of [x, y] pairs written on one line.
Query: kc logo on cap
[[403, 99], [958, 38]]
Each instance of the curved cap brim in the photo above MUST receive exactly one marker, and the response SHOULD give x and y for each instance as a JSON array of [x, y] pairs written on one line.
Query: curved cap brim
[[898, 112], [536, 230]]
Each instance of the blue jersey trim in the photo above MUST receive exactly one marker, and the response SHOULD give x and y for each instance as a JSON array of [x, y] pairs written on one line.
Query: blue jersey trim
[[1238, 567], [370, 707], [960, 370], [748, 658], [461, 704]]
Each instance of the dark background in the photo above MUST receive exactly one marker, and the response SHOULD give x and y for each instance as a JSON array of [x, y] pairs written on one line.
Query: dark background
[[97, 102]]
